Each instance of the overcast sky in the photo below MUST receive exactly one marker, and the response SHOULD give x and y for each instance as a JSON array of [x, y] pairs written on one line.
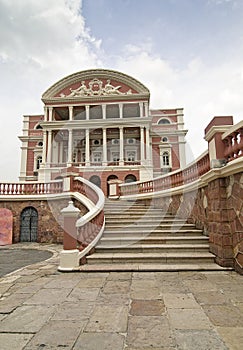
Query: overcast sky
[[189, 53]]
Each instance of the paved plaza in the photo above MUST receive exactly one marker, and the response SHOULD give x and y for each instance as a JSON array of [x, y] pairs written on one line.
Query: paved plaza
[[41, 308]]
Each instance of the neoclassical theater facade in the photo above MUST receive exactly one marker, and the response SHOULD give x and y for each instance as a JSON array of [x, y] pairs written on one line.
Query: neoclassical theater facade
[[99, 122]]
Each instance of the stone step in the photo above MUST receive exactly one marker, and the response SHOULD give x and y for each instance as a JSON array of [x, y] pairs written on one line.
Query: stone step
[[124, 240], [159, 258], [142, 225], [133, 208], [149, 213], [150, 218], [131, 231], [133, 267], [151, 248]]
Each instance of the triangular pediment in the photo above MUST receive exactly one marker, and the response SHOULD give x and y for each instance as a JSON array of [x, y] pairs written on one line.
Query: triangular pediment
[[96, 83]]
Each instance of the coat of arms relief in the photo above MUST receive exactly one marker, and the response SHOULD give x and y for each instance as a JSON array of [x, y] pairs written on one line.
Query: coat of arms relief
[[96, 87]]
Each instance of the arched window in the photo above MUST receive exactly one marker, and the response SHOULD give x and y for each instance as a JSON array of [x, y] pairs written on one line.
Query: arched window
[[38, 162], [130, 178], [163, 121], [95, 180], [166, 159]]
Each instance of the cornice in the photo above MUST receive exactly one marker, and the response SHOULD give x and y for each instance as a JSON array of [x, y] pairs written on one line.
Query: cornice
[[96, 123], [214, 130]]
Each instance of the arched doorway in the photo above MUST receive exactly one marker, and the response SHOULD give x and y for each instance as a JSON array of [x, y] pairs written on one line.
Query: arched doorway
[[95, 180], [28, 225], [111, 177], [130, 178]]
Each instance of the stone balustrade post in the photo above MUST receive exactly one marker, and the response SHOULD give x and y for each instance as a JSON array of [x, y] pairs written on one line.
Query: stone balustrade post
[[213, 134], [114, 191], [69, 255]]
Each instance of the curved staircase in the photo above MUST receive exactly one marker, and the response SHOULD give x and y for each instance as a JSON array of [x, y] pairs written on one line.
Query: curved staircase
[[138, 237]]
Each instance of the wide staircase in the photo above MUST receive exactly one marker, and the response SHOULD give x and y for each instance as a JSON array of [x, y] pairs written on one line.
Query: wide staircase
[[138, 237]]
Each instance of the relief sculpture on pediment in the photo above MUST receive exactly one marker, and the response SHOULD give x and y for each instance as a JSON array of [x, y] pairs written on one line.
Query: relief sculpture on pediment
[[96, 88]]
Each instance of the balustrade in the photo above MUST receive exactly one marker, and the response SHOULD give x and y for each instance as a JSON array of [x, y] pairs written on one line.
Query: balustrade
[[233, 141], [178, 178], [31, 188]]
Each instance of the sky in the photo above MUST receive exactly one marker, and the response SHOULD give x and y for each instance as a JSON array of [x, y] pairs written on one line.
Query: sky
[[188, 53]]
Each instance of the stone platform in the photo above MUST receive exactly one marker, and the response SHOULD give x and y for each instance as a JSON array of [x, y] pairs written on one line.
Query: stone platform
[[41, 308]]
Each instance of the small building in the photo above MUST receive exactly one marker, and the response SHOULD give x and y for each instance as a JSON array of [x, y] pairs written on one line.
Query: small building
[[100, 122]]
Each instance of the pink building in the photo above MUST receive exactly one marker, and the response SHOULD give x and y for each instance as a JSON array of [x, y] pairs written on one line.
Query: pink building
[[100, 123]]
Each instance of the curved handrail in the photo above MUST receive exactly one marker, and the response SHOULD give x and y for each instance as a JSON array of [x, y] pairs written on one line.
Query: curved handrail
[[90, 226]]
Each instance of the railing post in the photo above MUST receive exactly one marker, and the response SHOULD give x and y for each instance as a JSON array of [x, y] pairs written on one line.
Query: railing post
[[213, 134], [114, 191], [69, 254]]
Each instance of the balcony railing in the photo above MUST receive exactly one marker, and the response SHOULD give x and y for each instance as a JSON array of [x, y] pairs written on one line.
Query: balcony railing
[[31, 188]]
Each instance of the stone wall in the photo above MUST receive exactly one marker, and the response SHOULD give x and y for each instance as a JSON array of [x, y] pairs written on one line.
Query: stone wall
[[217, 209], [50, 221]]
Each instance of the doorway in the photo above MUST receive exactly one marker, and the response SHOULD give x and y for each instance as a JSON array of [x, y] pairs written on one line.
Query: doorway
[[28, 225]]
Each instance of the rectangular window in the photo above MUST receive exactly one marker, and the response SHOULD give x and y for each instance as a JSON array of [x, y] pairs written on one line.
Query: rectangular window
[[131, 156], [115, 156], [97, 157]]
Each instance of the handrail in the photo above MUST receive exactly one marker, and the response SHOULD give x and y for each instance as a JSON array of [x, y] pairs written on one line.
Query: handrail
[[90, 226], [29, 188], [174, 179]]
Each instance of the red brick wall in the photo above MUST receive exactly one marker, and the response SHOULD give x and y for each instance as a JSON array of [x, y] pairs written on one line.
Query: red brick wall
[[218, 210], [50, 220]]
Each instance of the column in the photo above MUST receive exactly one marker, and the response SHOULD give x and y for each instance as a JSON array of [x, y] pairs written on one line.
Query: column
[[142, 145], [146, 109], [141, 109], [148, 154], [70, 112], [121, 162], [55, 151], [104, 111], [70, 147], [87, 112], [104, 147], [61, 152], [24, 153], [121, 110], [50, 114], [49, 146], [45, 114], [87, 148], [44, 147]]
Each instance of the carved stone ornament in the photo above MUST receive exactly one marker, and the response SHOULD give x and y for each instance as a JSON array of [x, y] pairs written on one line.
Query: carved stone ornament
[[95, 88]]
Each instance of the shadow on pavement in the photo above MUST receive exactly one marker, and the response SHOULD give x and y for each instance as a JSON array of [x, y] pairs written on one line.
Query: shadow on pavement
[[13, 259]]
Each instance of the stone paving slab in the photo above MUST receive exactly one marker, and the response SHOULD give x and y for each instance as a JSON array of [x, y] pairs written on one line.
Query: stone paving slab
[[110, 319], [41, 308], [199, 339], [56, 335], [14, 341], [150, 331], [100, 341], [27, 319]]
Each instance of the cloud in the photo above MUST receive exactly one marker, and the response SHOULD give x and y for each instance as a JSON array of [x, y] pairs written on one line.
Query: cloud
[[203, 90], [40, 43]]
